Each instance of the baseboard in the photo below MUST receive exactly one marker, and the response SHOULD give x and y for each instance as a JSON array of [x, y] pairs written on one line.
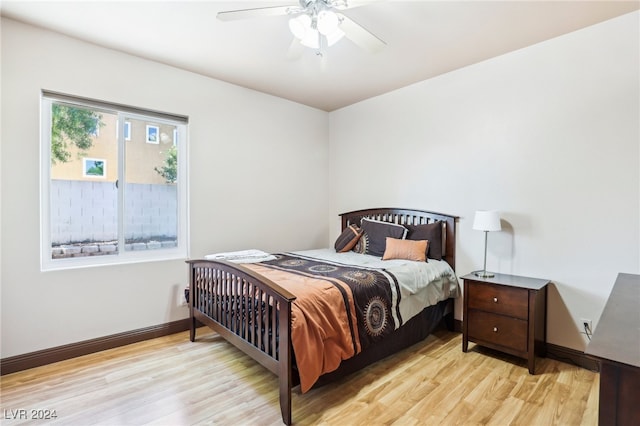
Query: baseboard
[[572, 356], [559, 353], [60, 353]]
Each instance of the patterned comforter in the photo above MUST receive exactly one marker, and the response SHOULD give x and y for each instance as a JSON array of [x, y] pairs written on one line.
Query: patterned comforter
[[345, 302]]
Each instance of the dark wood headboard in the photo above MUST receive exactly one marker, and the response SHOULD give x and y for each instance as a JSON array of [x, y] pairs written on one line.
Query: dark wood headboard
[[411, 217]]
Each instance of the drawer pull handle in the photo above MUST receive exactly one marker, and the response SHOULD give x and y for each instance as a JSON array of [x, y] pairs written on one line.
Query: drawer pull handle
[[495, 329], [495, 300]]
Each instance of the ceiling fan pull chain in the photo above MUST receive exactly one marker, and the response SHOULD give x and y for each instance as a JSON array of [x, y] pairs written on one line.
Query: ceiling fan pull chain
[[320, 46]]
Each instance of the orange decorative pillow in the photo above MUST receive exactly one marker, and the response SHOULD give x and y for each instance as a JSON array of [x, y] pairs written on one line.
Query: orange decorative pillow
[[406, 249]]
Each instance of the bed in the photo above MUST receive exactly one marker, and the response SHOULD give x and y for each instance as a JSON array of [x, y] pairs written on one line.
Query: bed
[[312, 317]]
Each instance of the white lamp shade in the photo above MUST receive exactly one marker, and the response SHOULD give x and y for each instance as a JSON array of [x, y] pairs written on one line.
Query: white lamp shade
[[311, 39], [327, 22], [300, 25], [309, 29], [487, 220]]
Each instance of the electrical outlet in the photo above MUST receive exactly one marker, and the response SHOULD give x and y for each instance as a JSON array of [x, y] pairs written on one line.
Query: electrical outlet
[[181, 300], [587, 326]]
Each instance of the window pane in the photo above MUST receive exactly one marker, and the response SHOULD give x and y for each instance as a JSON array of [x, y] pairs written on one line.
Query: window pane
[[83, 193], [151, 198]]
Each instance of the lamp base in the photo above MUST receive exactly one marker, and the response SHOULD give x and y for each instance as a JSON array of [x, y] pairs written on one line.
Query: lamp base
[[484, 274]]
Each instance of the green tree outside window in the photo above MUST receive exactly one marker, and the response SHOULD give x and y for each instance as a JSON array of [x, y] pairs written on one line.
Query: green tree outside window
[[72, 125], [169, 171]]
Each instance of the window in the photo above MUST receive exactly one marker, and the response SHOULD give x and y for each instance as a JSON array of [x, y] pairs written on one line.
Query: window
[[127, 131], [103, 200], [93, 167], [152, 134]]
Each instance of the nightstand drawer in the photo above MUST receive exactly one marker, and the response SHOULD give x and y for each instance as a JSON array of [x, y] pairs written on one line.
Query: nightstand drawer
[[498, 329], [499, 299]]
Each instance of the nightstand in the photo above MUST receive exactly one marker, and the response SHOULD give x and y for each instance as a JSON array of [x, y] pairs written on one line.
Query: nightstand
[[507, 313]]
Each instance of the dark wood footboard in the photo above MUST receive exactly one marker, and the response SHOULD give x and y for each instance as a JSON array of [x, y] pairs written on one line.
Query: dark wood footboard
[[248, 310]]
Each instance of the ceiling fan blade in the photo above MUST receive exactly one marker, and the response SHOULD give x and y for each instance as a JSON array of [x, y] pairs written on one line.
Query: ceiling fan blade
[[232, 15], [360, 35], [351, 4]]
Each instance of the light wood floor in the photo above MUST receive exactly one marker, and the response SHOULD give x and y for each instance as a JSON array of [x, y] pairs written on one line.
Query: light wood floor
[[171, 381]]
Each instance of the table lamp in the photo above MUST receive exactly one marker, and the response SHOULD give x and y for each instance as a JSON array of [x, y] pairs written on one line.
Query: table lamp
[[486, 220]]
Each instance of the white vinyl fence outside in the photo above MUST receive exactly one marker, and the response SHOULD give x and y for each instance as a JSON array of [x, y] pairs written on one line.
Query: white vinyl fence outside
[[85, 211]]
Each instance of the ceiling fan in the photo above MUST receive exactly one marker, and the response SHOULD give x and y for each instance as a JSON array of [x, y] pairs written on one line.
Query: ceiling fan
[[316, 23]]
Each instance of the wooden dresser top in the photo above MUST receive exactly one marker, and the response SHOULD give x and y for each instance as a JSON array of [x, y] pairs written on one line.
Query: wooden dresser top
[[510, 280]]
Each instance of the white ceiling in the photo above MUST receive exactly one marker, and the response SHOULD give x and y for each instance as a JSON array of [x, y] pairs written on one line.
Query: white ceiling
[[424, 39]]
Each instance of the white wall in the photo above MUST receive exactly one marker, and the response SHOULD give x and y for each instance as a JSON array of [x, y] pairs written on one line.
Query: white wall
[[549, 135], [258, 178]]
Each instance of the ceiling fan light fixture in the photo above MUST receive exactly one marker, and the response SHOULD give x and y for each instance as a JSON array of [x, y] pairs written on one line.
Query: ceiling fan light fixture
[[311, 39], [327, 22], [317, 24], [300, 26]]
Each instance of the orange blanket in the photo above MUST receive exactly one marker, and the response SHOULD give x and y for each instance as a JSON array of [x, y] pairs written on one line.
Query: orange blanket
[[329, 323]]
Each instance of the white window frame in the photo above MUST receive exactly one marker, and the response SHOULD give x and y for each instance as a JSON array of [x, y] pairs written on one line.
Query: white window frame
[[180, 251]]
